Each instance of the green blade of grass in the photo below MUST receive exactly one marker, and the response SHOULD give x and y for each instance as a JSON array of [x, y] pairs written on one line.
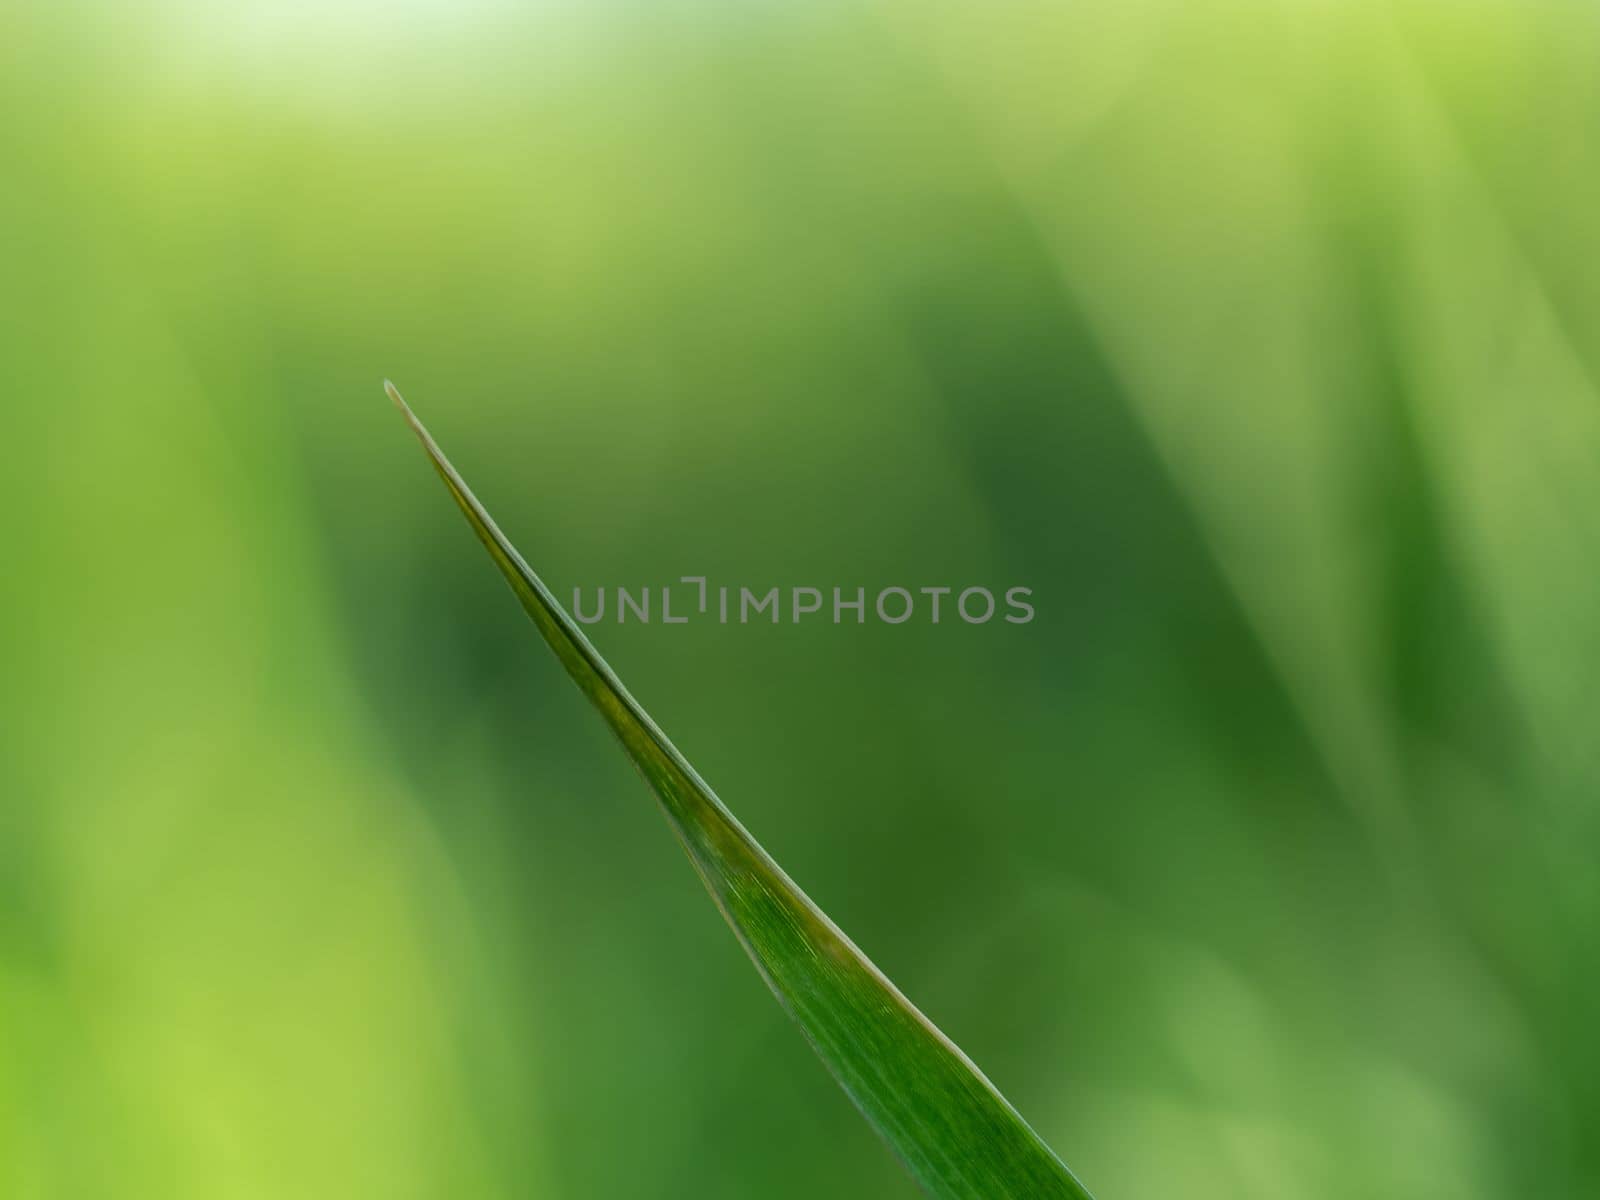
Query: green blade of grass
[[950, 1126]]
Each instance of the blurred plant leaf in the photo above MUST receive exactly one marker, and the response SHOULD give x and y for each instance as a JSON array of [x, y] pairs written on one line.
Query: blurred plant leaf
[[950, 1126]]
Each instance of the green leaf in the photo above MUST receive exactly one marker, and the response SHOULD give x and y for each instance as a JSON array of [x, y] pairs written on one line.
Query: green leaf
[[949, 1125]]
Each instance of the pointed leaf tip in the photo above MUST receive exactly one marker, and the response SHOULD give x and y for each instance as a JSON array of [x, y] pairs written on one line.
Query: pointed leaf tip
[[952, 1129]]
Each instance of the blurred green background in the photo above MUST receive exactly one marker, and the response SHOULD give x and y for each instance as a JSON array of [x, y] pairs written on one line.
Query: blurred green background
[[1259, 337]]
